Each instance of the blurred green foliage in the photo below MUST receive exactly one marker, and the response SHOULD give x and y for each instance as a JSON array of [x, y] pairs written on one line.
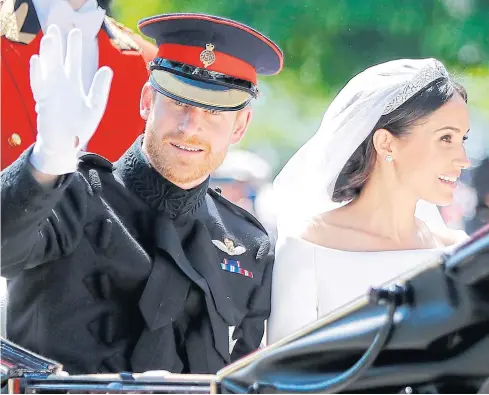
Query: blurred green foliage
[[326, 42]]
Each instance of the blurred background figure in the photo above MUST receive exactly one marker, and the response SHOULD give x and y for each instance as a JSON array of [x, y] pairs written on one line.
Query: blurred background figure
[[106, 42], [148, 49], [480, 183], [245, 179]]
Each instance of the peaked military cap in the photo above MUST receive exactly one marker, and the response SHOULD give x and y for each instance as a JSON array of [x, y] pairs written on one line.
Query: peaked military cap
[[209, 61]]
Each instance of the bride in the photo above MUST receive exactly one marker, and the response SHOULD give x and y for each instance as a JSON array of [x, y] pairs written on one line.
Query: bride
[[357, 203]]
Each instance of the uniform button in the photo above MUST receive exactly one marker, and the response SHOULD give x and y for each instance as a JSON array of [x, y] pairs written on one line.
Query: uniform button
[[14, 140]]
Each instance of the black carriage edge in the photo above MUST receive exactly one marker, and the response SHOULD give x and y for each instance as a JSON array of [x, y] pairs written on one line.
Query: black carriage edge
[[425, 331]]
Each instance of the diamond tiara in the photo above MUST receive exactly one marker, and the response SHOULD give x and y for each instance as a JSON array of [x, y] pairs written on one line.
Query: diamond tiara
[[423, 78]]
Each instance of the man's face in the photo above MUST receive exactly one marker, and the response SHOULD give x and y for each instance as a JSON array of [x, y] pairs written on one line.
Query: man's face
[[185, 144]]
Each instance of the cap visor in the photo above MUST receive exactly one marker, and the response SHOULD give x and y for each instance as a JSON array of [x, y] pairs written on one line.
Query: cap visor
[[197, 93]]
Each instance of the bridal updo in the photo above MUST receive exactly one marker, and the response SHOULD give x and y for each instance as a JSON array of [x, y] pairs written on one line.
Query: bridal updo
[[357, 170]]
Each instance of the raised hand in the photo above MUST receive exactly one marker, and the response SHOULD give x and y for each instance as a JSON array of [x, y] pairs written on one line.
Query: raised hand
[[66, 117]]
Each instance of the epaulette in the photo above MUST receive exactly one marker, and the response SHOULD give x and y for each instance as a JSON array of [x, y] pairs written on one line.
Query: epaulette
[[17, 24], [92, 160], [122, 27], [236, 209], [119, 35]]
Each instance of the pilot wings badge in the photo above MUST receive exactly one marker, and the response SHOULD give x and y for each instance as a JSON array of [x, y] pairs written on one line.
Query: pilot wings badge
[[228, 247]]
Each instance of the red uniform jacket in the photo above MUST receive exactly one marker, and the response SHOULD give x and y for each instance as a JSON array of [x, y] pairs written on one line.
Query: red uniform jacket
[[124, 52]]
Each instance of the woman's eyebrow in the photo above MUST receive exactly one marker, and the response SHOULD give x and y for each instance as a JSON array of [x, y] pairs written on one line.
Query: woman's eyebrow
[[451, 128]]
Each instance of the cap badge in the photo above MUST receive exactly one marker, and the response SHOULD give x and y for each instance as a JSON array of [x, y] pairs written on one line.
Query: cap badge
[[207, 57]]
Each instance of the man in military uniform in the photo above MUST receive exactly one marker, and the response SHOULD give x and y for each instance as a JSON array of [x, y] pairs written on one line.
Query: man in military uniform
[[137, 265], [106, 43]]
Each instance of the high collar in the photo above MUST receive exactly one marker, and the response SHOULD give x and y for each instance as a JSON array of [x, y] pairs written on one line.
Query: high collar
[[21, 24], [156, 191], [88, 18]]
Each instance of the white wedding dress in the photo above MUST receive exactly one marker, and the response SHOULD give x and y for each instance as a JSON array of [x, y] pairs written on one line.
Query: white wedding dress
[[309, 280]]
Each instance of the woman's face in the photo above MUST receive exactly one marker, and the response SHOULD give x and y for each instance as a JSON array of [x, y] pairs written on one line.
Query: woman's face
[[431, 157]]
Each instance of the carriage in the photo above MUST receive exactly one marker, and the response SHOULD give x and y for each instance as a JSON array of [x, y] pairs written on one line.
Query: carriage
[[426, 331]]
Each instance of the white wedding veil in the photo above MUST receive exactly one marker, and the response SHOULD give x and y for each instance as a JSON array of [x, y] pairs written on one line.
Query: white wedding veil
[[304, 187]]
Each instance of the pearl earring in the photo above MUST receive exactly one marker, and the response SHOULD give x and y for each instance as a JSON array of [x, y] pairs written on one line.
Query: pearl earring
[[389, 158]]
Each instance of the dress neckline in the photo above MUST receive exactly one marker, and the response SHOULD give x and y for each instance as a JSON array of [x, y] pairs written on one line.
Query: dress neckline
[[320, 247]]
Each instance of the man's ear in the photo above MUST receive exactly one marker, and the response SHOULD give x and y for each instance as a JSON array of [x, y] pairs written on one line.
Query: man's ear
[[146, 102], [243, 119]]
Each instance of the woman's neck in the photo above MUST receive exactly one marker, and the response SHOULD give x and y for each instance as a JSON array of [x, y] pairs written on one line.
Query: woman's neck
[[387, 210]]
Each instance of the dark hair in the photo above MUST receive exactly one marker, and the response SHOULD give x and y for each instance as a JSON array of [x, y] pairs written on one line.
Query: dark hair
[[357, 170]]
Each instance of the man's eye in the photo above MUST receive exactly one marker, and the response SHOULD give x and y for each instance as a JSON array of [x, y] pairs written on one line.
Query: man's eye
[[179, 103], [214, 112], [447, 138]]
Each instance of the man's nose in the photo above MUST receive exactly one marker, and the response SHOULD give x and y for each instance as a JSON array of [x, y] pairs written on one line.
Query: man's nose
[[191, 122]]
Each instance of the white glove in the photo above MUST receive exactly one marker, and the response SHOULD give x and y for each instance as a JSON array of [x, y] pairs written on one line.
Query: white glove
[[66, 117]]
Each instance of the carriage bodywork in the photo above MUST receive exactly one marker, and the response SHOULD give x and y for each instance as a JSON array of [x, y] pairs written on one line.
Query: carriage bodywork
[[437, 340], [426, 331]]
